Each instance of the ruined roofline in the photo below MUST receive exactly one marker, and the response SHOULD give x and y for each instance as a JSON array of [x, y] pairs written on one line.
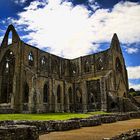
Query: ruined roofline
[[88, 55], [12, 28]]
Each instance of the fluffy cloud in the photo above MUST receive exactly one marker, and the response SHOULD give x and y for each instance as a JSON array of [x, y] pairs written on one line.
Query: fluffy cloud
[[132, 50], [135, 86], [70, 31], [19, 1], [134, 72]]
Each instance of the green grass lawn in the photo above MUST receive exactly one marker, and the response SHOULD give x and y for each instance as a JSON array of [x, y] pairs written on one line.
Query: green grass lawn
[[48, 116]]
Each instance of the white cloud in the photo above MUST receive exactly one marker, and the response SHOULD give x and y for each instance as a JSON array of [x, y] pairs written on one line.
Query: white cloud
[[135, 86], [70, 31], [19, 1], [132, 50], [134, 72]]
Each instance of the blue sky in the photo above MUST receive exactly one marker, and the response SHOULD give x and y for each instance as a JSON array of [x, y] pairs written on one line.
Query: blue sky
[[72, 28]]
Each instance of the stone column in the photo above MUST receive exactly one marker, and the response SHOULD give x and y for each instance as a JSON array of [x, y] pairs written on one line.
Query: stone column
[[84, 96], [50, 101], [62, 98], [13, 93], [54, 92], [66, 97], [103, 94]]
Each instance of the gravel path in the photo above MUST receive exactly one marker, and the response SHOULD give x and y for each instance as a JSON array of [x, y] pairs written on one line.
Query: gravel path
[[93, 133]]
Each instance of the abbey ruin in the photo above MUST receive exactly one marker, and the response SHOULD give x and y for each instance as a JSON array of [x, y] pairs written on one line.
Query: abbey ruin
[[34, 81]]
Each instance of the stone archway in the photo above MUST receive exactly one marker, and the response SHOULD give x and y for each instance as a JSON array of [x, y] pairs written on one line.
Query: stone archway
[[7, 75], [58, 94], [25, 97], [26, 93], [45, 93]]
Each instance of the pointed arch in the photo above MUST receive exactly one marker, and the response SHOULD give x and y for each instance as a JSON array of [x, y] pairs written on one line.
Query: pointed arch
[[26, 93], [15, 38], [58, 94], [70, 94], [45, 92], [10, 38], [31, 59], [7, 73]]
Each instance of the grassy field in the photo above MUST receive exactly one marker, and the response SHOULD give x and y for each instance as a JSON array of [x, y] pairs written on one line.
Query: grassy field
[[48, 116]]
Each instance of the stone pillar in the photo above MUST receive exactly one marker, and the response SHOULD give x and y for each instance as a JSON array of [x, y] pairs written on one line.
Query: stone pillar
[[84, 96], [50, 96], [62, 98], [103, 94], [54, 92], [68, 104], [66, 98], [13, 93], [55, 102], [38, 101]]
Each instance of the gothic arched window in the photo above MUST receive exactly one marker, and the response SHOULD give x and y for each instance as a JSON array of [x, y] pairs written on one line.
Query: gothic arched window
[[26, 93], [43, 62], [58, 94], [7, 73], [45, 93], [70, 95], [31, 59], [118, 65], [10, 38]]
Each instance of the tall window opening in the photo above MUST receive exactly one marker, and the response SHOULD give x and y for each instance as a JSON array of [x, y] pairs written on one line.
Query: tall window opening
[[70, 95], [7, 74], [43, 63], [31, 59], [58, 94], [45, 93], [10, 38], [26, 93]]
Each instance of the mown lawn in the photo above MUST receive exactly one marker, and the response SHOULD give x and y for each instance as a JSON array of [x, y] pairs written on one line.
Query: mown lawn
[[48, 116]]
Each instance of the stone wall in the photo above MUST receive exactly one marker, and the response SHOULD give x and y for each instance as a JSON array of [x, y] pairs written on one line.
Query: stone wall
[[24, 129], [42, 82], [129, 135], [18, 132]]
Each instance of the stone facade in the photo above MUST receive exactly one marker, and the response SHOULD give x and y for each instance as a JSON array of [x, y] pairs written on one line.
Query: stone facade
[[34, 81]]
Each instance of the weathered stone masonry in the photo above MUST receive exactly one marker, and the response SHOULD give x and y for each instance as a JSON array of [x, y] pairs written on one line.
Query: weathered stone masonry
[[32, 80]]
